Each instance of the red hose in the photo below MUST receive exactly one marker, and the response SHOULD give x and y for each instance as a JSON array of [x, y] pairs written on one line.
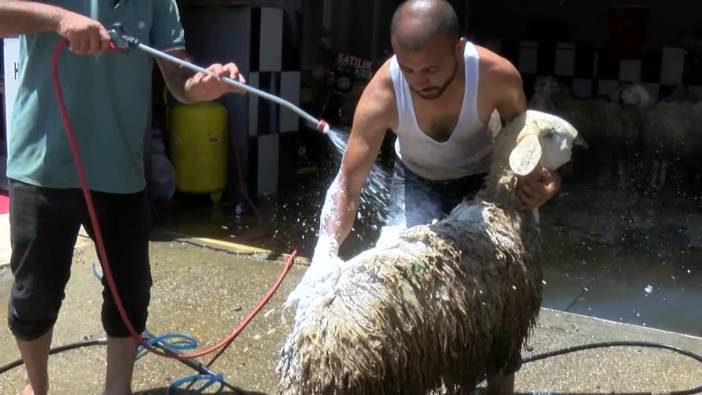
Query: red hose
[[101, 244]]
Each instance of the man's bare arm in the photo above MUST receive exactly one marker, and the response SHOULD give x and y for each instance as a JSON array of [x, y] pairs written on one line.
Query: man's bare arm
[[534, 189], [20, 17], [510, 99], [86, 36], [372, 119], [189, 87]]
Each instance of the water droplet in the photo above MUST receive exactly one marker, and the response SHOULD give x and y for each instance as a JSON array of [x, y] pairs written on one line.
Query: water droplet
[[648, 289]]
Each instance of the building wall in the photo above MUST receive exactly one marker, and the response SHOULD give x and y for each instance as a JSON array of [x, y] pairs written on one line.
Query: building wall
[[362, 27], [586, 22], [595, 46]]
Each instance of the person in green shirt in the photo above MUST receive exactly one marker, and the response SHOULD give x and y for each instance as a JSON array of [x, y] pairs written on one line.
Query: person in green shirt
[[107, 95]]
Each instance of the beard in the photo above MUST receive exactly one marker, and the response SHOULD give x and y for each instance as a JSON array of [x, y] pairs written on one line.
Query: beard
[[434, 92]]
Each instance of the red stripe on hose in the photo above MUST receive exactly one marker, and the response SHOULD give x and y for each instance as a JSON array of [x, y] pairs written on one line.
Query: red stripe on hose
[[322, 126]]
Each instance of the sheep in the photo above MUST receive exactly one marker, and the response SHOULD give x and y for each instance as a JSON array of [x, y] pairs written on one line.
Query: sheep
[[681, 93], [548, 92], [444, 305], [611, 127], [590, 117], [672, 135], [624, 132]]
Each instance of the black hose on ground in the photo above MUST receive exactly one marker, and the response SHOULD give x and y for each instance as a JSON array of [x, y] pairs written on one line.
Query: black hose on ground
[[591, 346], [198, 367], [533, 358], [73, 346]]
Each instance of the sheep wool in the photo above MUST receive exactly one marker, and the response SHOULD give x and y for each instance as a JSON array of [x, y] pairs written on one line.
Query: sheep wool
[[443, 305]]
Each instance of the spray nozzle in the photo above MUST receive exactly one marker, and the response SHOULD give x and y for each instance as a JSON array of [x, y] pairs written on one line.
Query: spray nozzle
[[120, 40], [322, 127]]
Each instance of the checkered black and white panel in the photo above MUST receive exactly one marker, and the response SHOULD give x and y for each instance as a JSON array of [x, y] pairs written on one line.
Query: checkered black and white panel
[[265, 44], [595, 72], [275, 68]]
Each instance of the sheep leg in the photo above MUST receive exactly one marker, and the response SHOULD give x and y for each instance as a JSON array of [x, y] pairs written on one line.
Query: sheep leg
[[500, 385], [663, 170], [622, 174], [657, 170]]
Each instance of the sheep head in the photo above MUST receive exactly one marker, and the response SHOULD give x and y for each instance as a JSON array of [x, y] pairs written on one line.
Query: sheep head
[[546, 86], [535, 138], [549, 94], [636, 95]]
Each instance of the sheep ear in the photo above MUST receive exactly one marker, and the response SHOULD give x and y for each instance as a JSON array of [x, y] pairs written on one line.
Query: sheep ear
[[526, 155]]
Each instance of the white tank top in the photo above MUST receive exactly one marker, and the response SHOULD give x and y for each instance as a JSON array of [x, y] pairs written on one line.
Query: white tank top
[[468, 148]]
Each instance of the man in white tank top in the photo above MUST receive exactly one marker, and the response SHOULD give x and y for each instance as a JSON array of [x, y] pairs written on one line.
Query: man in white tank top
[[440, 95]]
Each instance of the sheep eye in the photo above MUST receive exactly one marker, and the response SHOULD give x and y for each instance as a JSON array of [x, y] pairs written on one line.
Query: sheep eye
[[550, 134]]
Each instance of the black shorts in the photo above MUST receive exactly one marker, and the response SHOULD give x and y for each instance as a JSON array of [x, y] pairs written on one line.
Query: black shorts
[[44, 225], [418, 201]]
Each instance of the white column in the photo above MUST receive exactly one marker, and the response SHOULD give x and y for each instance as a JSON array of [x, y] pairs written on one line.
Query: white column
[[11, 57]]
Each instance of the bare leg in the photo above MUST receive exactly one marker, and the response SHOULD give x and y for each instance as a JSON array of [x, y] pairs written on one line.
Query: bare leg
[[35, 354], [121, 353], [501, 385]]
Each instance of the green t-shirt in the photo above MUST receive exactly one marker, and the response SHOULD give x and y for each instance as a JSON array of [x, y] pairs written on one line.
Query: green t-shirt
[[108, 99]]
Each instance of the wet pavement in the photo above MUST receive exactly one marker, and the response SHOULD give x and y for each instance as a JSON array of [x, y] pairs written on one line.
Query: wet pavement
[[610, 254], [624, 257], [200, 291], [206, 289]]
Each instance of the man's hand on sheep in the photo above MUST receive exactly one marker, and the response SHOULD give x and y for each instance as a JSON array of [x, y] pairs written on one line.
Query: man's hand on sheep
[[537, 187], [319, 280]]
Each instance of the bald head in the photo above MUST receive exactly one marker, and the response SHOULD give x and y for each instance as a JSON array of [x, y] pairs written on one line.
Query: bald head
[[416, 22]]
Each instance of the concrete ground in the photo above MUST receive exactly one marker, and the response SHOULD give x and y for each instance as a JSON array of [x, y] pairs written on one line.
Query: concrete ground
[[206, 290], [608, 254]]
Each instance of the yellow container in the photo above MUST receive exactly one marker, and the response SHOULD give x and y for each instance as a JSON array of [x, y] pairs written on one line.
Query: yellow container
[[198, 135]]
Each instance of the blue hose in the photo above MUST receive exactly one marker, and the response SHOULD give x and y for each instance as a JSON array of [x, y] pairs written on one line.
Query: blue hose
[[207, 379], [173, 341], [97, 274]]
